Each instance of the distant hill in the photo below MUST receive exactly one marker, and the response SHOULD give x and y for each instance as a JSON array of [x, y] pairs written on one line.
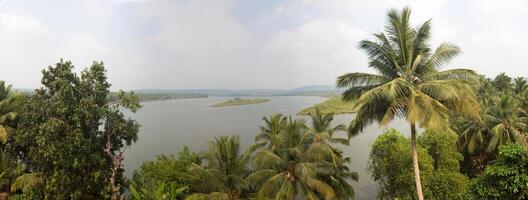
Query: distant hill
[[316, 88], [311, 90]]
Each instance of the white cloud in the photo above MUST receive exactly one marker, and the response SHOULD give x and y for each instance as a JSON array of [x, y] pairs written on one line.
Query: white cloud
[[24, 41], [315, 48]]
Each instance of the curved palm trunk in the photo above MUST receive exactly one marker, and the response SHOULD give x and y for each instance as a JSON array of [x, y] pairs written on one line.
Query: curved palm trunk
[[416, 167]]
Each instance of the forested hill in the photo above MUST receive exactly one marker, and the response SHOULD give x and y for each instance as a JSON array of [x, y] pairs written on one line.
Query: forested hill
[[312, 90]]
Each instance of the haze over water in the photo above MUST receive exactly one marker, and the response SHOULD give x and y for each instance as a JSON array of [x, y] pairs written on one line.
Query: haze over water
[[167, 126]]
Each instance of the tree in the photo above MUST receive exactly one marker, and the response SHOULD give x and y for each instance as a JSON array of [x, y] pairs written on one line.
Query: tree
[[120, 133], [504, 122], [64, 129], [9, 103], [446, 182], [224, 175], [409, 83], [282, 172], [519, 85], [502, 82], [163, 174], [319, 142], [269, 132], [390, 158], [506, 177]]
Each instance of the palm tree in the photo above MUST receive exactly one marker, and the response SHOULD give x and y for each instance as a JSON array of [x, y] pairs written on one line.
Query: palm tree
[[8, 106], [283, 172], [224, 176], [408, 83], [319, 139], [162, 191], [319, 142], [15, 176], [504, 122], [270, 131], [519, 85]]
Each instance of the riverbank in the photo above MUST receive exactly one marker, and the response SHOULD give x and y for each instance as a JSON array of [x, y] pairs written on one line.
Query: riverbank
[[334, 105]]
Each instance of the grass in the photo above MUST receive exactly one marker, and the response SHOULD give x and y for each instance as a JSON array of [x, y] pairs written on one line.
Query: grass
[[240, 102], [334, 105]]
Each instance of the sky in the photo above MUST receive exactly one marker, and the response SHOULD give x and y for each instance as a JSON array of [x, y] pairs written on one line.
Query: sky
[[242, 44]]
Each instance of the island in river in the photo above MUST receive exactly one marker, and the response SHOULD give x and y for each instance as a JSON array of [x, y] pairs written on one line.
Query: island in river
[[240, 102]]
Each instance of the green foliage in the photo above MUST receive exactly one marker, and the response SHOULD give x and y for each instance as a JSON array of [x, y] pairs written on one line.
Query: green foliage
[[506, 177], [64, 128], [504, 121], [293, 160], [225, 172], [165, 172], [442, 147], [162, 191], [390, 159], [446, 182], [389, 164], [519, 85], [10, 103], [502, 82]]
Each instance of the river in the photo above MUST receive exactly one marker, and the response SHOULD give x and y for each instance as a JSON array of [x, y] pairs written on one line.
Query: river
[[167, 126]]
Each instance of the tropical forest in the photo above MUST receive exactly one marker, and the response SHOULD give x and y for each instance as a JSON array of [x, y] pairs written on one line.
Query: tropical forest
[[411, 126]]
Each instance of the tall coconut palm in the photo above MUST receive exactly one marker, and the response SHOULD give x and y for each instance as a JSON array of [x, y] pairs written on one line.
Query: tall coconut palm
[[224, 176], [408, 83]]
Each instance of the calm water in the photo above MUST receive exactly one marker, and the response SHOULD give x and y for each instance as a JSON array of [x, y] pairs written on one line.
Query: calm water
[[169, 125]]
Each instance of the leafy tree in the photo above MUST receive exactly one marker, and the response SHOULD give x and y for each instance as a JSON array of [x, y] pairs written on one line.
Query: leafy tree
[[502, 82], [389, 162], [390, 159], [519, 85], [506, 177], [65, 128], [446, 182], [164, 173], [442, 147], [409, 83], [224, 175]]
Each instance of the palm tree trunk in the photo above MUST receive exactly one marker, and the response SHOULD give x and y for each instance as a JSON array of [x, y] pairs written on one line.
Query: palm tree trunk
[[416, 167]]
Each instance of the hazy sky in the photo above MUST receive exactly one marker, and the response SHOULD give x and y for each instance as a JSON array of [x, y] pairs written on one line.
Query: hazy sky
[[242, 44]]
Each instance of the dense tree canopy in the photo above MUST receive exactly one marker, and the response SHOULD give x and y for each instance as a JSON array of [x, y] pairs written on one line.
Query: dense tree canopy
[[506, 177], [163, 174], [390, 158], [65, 127]]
